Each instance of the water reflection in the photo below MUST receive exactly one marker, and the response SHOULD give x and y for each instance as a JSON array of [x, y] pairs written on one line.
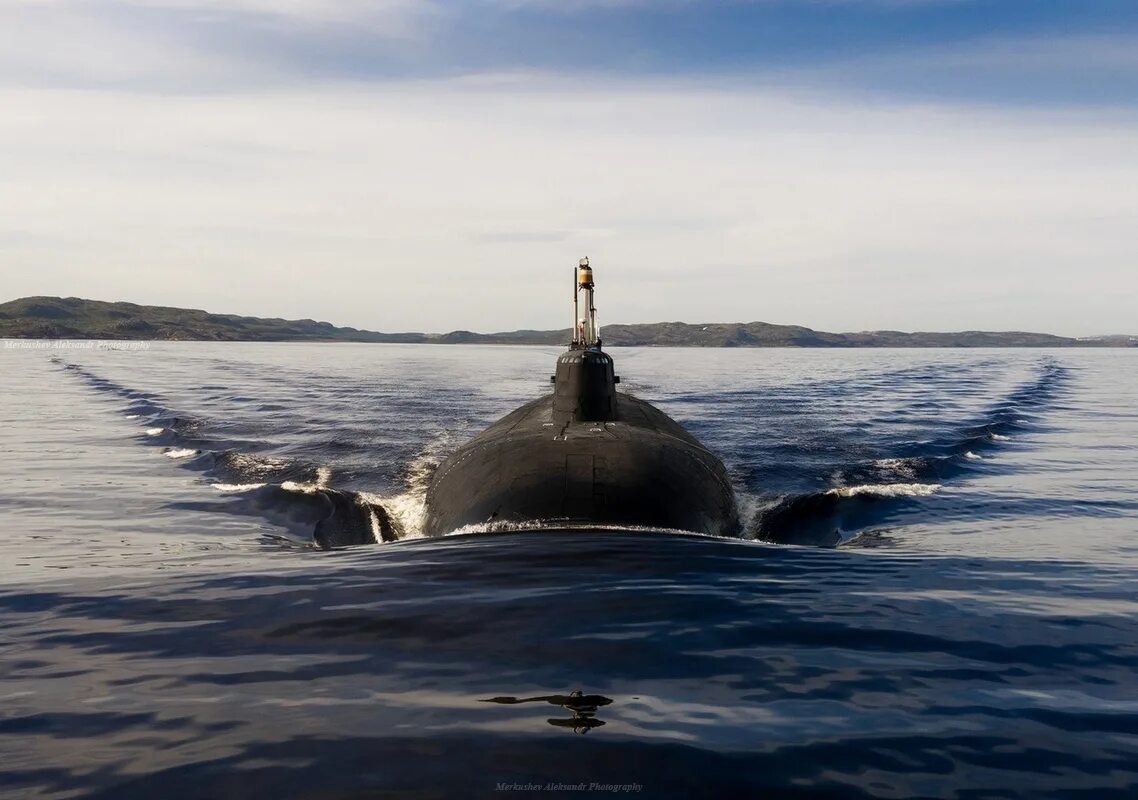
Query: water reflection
[[583, 708]]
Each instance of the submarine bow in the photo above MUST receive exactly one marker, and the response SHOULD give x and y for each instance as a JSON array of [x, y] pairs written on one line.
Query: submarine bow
[[584, 456]]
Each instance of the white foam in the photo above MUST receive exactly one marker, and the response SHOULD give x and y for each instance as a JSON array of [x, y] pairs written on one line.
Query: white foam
[[751, 507], [902, 466], [155, 431], [236, 487], [376, 530], [323, 477], [998, 438], [888, 490], [553, 525], [422, 467], [973, 457], [180, 452], [256, 465], [133, 416], [408, 511]]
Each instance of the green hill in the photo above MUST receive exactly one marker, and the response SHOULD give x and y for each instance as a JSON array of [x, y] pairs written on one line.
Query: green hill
[[75, 318]]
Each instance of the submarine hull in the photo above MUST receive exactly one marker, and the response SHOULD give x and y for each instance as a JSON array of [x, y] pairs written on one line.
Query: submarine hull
[[639, 468]]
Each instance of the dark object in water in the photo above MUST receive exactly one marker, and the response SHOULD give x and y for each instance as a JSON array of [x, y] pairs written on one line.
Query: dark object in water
[[585, 455], [583, 708]]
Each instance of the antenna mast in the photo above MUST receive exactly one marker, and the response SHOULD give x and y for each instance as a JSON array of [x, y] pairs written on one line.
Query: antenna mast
[[586, 331]]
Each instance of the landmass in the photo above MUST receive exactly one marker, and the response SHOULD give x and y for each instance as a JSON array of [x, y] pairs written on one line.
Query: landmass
[[77, 318]]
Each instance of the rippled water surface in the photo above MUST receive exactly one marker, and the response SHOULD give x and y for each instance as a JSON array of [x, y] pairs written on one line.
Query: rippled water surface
[[935, 594]]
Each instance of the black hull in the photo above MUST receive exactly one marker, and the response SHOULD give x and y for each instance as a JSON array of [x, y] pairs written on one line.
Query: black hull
[[640, 469]]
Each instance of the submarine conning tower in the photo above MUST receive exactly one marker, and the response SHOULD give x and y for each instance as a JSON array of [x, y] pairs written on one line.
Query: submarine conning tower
[[584, 387]]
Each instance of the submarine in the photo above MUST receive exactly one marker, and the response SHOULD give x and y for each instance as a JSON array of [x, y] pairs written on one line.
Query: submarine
[[583, 456]]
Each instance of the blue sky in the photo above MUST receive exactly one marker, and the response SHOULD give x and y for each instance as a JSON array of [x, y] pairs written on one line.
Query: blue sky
[[1023, 51], [844, 164]]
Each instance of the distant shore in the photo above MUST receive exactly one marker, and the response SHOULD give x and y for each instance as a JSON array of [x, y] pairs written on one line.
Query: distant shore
[[75, 318]]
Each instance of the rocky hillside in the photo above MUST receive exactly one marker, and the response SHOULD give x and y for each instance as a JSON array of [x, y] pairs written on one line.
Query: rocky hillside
[[75, 318]]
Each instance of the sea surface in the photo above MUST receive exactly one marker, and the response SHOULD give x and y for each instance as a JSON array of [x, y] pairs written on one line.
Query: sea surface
[[935, 594]]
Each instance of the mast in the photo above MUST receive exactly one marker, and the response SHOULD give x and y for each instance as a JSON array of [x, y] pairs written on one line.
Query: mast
[[586, 331]]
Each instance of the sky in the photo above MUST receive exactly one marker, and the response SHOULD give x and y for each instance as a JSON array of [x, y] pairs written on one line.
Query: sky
[[425, 165]]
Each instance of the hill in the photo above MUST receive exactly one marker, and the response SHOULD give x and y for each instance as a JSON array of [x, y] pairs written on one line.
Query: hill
[[76, 318], [763, 334]]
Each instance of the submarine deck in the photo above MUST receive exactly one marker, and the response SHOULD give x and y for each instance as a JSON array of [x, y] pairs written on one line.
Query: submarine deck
[[632, 414]]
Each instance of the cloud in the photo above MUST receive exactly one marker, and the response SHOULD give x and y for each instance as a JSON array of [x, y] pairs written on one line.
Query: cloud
[[839, 164], [397, 12], [1060, 53], [1065, 70], [194, 46], [387, 206]]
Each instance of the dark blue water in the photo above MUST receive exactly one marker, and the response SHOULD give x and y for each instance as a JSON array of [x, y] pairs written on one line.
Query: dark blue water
[[935, 595]]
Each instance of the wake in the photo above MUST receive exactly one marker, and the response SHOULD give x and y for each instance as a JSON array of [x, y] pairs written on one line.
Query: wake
[[865, 495], [300, 498]]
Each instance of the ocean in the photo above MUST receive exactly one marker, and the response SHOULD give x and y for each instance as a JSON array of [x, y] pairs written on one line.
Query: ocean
[[935, 593]]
